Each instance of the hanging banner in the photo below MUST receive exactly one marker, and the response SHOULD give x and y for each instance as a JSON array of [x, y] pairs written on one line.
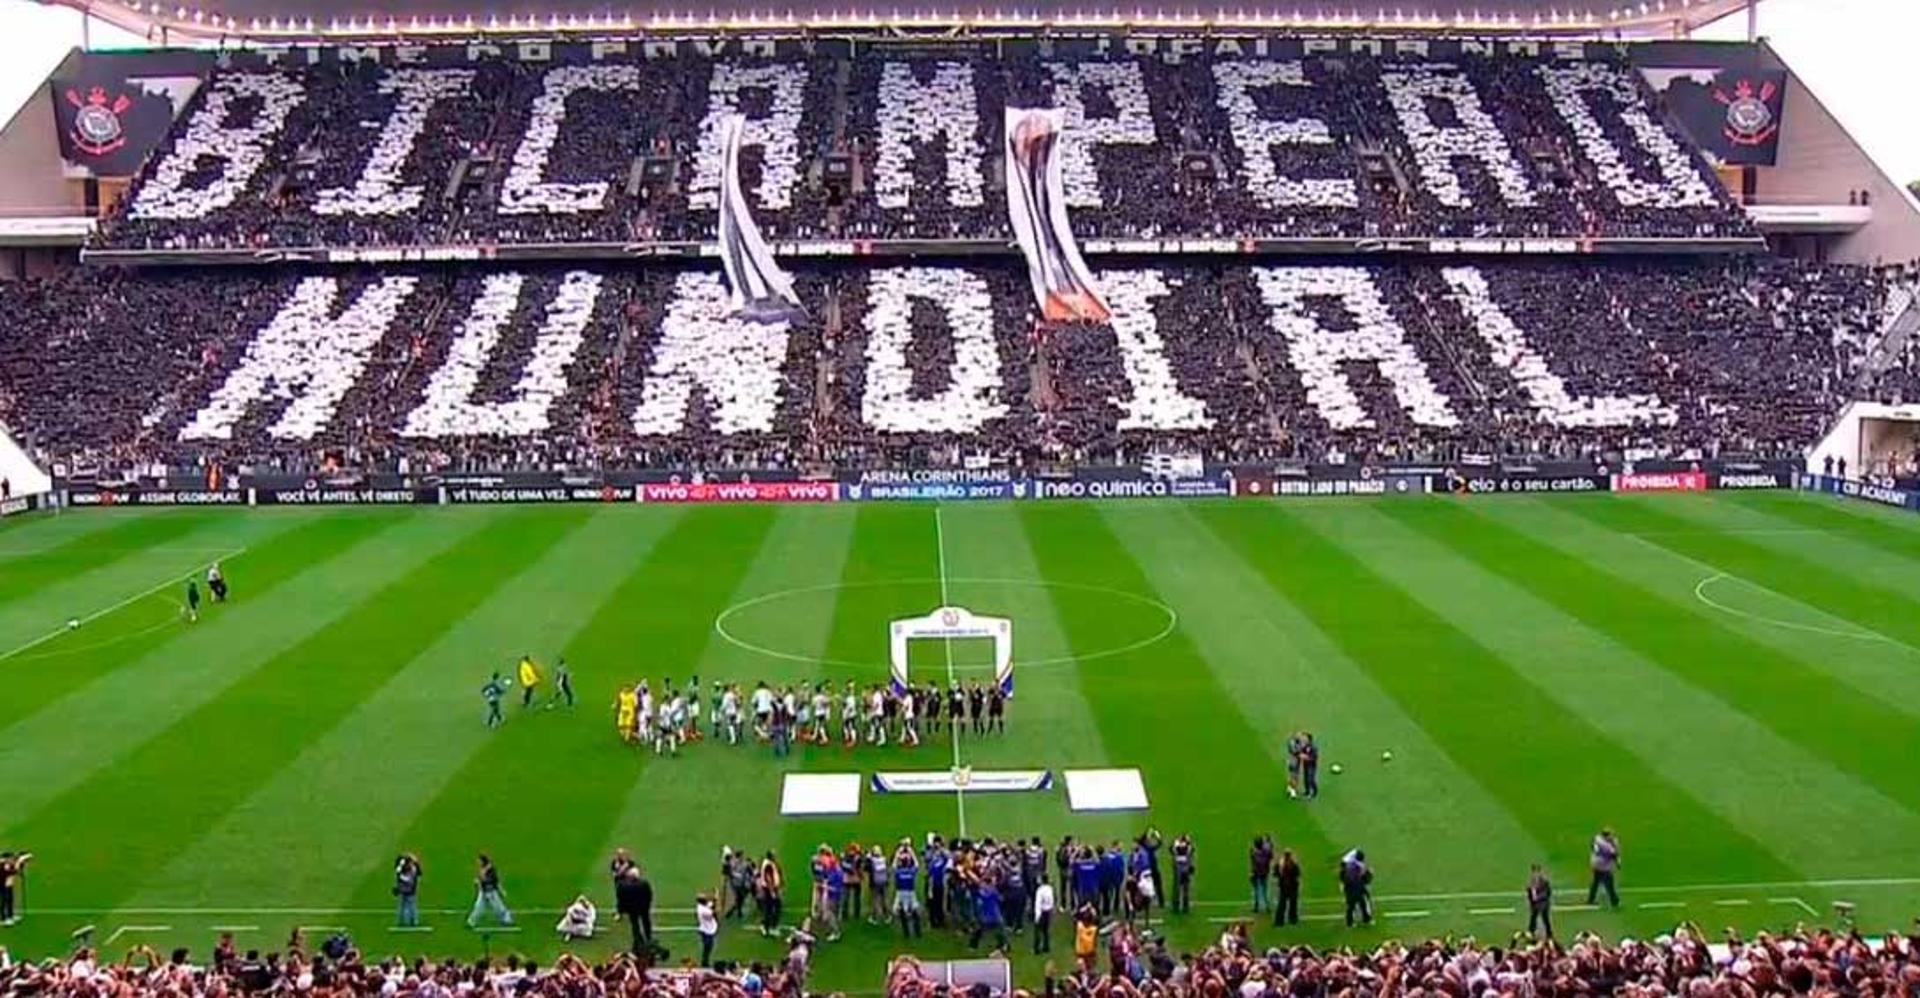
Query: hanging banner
[[1731, 107], [760, 289], [947, 623], [115, 108], [1037, 209]]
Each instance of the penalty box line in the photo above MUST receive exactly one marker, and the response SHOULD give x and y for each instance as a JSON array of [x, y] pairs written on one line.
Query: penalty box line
[[120, 605]]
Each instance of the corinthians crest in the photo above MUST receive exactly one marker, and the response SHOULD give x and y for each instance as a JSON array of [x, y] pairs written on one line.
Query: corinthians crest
[[1750, 118], [97, 129]]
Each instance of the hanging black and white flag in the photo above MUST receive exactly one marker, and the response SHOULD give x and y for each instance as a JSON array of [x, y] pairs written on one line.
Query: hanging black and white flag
[[759, 289], [1037, 208]]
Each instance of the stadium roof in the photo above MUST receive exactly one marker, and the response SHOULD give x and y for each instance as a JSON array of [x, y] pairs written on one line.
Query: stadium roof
[[399, 20]]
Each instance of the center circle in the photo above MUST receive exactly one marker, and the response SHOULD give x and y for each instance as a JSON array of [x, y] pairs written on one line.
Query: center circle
[[1165, 619]]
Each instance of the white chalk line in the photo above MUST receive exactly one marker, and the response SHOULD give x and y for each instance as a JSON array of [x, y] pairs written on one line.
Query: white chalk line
[[1856, 634], [1774, 885], [135, 928], [295, 911], [1172, 621], [46, 551], [1734, 531], [122, 604], [172, 620], [959, 789]]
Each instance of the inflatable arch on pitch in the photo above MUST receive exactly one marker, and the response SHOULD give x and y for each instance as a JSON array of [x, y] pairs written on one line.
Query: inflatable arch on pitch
[[950, 622]]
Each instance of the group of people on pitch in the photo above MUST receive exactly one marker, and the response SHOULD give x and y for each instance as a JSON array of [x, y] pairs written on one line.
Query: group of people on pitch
[[216, 584], [668, 717], [1270, 871], [528, 677], [985, 889]]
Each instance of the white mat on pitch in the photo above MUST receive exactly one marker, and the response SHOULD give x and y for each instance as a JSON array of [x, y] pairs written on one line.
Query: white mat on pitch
[[1106, 790], [820, 793]]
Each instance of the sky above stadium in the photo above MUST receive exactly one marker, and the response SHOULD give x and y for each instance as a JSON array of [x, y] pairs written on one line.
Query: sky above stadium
[[1842, 49]]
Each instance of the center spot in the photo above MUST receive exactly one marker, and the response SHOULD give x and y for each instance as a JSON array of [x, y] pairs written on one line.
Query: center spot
[[787, 623]]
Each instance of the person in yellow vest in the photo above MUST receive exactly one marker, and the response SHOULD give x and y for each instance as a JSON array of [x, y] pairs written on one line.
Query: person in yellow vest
[[529, 680], [1086, 934], [625, 708]]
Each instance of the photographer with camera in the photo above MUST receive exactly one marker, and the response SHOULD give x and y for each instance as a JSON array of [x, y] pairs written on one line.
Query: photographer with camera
[[406, 891]]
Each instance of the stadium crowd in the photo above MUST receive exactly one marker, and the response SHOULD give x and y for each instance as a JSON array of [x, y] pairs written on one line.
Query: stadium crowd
[[342, 971], [1685, 962], [892, 143], [469, 369]]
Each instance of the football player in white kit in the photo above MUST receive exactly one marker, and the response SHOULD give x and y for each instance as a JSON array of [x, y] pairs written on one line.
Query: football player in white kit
[[877, 716], [645, 721], [802, 717], [673, 718], [822, 708], [762, 711], [909, 721], [729, 710], [850, 716]]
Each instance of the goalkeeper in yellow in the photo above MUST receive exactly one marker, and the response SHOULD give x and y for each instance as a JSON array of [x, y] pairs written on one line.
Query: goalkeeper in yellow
[[529, 676], [626, 710]]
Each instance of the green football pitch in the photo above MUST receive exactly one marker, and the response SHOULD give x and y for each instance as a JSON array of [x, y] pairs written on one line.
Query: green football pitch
[[1730, 681]]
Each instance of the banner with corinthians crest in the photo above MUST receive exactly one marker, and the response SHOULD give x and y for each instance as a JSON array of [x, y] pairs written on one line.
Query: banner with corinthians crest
[[111, 109], [1730, 105]]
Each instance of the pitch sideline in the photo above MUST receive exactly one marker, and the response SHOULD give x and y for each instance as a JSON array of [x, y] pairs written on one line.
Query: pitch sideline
[[1769, 885]]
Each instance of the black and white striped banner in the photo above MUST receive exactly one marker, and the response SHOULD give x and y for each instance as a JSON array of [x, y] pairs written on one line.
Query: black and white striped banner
[[760, 289], [1037, 208]]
